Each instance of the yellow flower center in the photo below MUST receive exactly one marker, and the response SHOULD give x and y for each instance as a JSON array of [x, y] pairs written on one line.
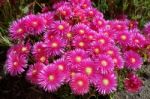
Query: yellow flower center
[[19, 30], [100, 22], [110, 52], [24, 49], [105, 82], [102, 41], [88, 70], [51, 77], [123, 37], [133, 60], [15, 63], [104, 63], [69, 35], [78, 59], [81, 44], [80, 83], [54, 45], [42, 59], [60, 27], [60, 67], [96, 50], [81, 31], [34, 23]]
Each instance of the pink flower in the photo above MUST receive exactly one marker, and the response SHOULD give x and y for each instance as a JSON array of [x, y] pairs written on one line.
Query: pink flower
[[17, 29], [60, 27], [39, 47], [103, 40], [88, 68], [105, 64], [124, 38], [138, 40], [90, 35], [119, 25], [64, 12], [22, 49], [147, 28], [33, 72], [99, 22], [15, 63], [48, 18], [40, 52], [79, 84], [75, 57], [118, 61], [49, 79], [50, 35], [112, 50], [96, 49], [80, 29], [34, 24], [80, 42], [55, 46], [62, 67], [106, 84], [132, 60], [132, 83]]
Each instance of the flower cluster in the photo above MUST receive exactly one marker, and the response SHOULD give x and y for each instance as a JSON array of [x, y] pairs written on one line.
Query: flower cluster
[[74, 44]]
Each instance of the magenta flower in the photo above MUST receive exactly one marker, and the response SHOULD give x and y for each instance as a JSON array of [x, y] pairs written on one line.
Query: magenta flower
[[17, 29], [55, 46], [48, 18], [33, 72], [124, 38], [88, 68], [99, 22], [60, 27], [15, 63], [96, 49], [80, 42], [132, 60], [49, 79], [64, 11], [50, 35], [22, 49], [39, 47], [106, 84], [133, 83], [103, 40], [34, 24], [147, 29], [40, 52], [119, 25], [138, 40], [118, 61], [75, 57], [80, 29], [62, 67], [112, 50], [105, 64], [90, 35], [79, 84]]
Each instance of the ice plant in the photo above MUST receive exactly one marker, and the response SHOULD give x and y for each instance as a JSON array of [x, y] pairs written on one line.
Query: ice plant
[[79, 84], [133, 60], [73, 44], [106, 83], [132, 83], [49, 79]]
